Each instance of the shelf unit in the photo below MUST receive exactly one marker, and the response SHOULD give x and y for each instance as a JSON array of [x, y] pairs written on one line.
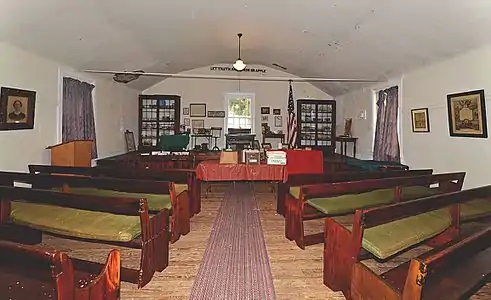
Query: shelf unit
[[316, 121], [158, 115]]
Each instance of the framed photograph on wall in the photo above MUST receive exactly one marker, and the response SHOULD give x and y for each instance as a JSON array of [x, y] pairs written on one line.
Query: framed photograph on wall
[[277, 111], [187, 121], [264, 110], [216, 114], [278, 121], [197, 110], [130, 141], [467, 114], [185, 111], [197, 124], [420, 120], [264, 118], [17, 109]]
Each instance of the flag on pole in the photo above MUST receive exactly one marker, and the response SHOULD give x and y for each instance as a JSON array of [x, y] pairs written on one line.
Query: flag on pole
[[292, 120]]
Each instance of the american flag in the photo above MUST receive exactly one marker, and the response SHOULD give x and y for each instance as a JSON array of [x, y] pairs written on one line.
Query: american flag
[[291, 137]]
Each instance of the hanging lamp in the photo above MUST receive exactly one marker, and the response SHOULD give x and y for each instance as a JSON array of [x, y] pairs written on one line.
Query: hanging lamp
[[239, 64]]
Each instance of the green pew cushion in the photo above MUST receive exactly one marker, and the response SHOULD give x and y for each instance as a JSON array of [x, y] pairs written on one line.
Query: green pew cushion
[[295, 192], [76, 222], [475, 209], [180, 188], [155, 202], [388, 239], [346, 204], [371, 165]]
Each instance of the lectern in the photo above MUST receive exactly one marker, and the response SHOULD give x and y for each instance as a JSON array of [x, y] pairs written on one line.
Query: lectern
[[72, 154]]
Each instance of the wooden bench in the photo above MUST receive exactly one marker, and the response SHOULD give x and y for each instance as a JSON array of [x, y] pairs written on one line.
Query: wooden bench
[[343, 198], [294, 182], [184, 179], [28, 272], [159, 194], [385, 232], [452, 273], [120, 221]]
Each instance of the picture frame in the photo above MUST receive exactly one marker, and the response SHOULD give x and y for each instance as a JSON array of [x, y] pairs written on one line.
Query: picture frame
[[467, 114], [17, 109], [348, 122], [187, 121], [216, 114], [185, 111], [266, 146], [197, 110], [277, 111], [256, 145], [265, 110], [420, 120], [129, 138], [278, 121], [197, 123], [264, 118]]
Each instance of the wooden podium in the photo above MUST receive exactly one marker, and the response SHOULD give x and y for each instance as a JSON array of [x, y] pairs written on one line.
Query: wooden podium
[[72, 154]]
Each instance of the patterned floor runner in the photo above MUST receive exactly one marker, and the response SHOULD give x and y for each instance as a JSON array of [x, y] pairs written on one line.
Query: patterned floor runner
[[235, 264]]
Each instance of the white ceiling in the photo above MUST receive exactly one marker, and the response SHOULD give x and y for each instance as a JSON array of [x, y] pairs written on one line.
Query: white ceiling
[[329, 38]]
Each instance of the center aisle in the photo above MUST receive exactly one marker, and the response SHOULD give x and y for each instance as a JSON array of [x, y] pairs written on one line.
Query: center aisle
[[235, 263]]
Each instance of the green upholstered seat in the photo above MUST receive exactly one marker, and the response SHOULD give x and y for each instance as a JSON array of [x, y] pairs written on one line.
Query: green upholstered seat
[[295, 191], [475, 209], [180, 188], [347, 204], [371, 165], [155, 202], [76, 222], [388, 239]]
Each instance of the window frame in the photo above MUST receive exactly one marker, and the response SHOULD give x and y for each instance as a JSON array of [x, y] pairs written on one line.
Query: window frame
[[230, 96]]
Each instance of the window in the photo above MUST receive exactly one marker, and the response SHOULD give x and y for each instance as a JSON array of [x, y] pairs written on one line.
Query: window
[[240, 110]]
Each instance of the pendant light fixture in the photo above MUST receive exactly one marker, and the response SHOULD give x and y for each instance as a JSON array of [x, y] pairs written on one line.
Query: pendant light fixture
[[239, 64]]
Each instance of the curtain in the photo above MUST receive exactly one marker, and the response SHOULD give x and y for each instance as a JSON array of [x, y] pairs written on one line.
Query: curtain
[[78, 112], [386, 144]]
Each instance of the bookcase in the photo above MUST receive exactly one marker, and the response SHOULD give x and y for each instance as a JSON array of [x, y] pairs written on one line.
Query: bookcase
[[316, 123], [158, 115]]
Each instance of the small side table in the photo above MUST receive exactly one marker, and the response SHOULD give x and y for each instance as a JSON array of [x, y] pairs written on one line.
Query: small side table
[[344, 140]]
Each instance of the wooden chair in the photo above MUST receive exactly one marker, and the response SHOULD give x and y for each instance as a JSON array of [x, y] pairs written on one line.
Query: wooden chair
[[28, 272], [452, 273], [385, 232], [343, 198], [120, 221]]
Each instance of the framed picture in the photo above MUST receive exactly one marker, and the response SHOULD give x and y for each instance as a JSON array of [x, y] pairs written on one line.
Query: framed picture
[[197, 124], [17, 109], [185, 111], [264, 118], [130, 141], [264, 110], [278, 121], [467, 114], [256, 145], [187, 121], [277, 111], [266, 146], [347, 126], [216, 114], [420, 120], [197, 110]]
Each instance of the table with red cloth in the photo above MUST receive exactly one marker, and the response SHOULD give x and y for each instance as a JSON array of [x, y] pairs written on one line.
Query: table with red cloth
[[214, 171], [304, 162]]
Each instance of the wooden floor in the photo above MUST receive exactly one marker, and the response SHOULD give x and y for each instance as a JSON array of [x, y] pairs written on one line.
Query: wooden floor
[[297, 274]]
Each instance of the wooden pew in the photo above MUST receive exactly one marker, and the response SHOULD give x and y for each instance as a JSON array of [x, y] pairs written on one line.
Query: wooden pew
[[124, 222], [159, 194], [294, 182], [184, 179], [28, 272], [358, 194], [452, 273], [385, 232]]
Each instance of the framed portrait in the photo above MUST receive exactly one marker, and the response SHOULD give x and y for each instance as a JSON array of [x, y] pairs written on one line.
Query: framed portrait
[[185, 111], [467, 114], [264, 118], [197, 110], [278, 121], [216, 114], [276, 111], [17, 109], [195, 124], [264, 110], [187, 121], [130, 141], [420, 120]]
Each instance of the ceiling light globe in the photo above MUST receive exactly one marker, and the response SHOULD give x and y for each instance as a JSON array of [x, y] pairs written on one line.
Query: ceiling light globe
[[239, 65]]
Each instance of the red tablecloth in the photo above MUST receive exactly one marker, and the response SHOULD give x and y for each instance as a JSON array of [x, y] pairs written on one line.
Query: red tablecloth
[[214, 171], [304, 162]]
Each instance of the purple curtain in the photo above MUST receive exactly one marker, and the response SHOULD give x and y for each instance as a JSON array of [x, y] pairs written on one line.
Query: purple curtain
[[386, 144], [78, 112]]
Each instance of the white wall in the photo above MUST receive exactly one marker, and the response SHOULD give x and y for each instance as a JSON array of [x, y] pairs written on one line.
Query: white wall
[[116, 107], [428, 87], [272, 94]]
